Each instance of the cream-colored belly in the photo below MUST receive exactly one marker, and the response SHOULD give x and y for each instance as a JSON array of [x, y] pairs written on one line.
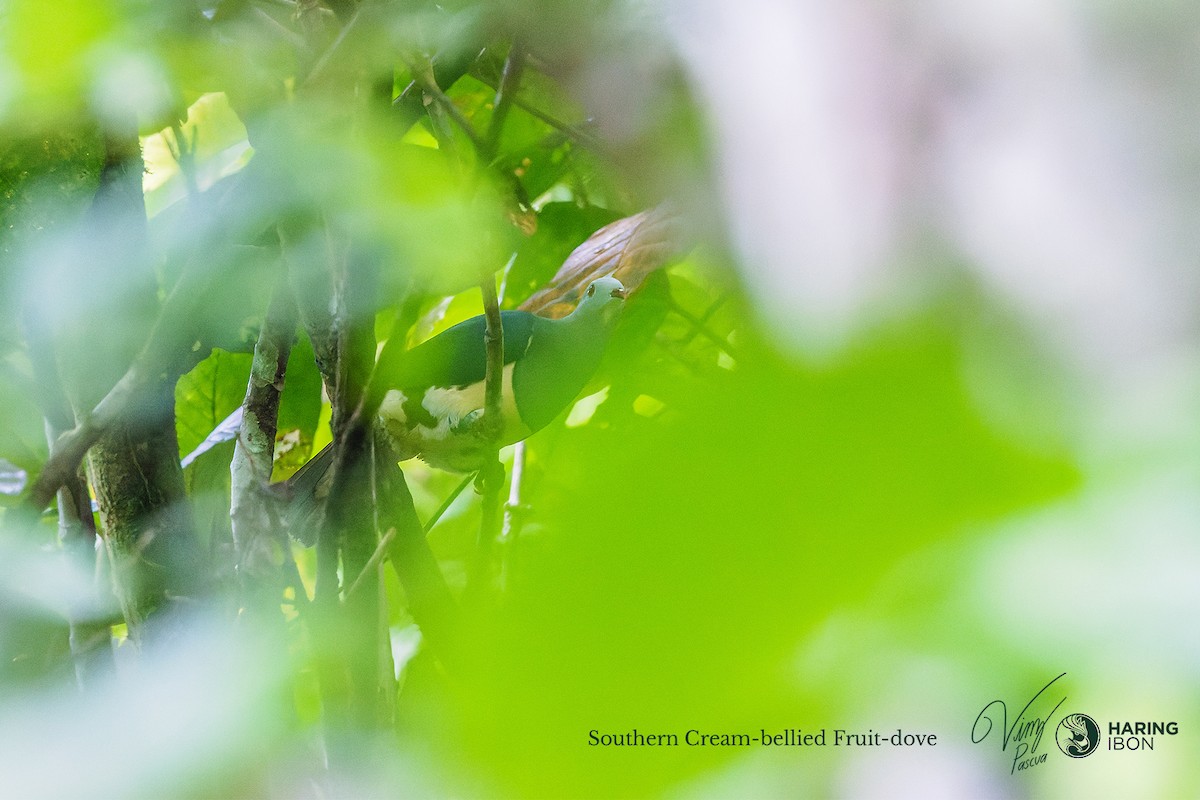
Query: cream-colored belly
[[442, 445]]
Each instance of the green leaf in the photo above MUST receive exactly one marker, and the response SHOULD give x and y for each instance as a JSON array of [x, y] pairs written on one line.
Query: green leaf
[[206, 395], [300, 403]]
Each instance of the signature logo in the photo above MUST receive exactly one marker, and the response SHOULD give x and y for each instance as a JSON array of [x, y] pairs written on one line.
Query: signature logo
[[1078, 735], [1024, 732]]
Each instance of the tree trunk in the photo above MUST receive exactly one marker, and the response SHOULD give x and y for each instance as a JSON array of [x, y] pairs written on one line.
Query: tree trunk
[[134, 467]]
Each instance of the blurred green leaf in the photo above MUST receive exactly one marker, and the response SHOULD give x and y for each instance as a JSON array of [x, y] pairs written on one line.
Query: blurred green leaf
[[725, 536], [692, 552], [300, 403], [299, 409], [22, 436]]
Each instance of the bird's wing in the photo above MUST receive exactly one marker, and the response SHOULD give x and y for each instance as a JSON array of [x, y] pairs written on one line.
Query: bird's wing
[[457, 356], [628, 249], [557, 366], [307, 489]]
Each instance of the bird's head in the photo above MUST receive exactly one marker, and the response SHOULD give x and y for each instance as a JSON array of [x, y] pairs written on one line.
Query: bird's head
[[602, 300]]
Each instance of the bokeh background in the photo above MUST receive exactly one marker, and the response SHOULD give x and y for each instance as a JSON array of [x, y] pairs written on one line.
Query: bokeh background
[[907, 424]]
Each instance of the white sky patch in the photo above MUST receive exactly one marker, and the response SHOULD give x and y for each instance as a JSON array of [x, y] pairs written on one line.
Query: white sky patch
[[850, 134], [406, 641], [807, 145], [221, 150], [585, 407], [1115, 572], [130, 84]]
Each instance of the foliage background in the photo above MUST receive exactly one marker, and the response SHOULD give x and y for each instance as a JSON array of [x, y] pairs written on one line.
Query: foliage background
[[934, 442]]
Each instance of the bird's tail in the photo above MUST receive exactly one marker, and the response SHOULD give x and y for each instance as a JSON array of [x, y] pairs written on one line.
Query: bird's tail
[[307, 490]]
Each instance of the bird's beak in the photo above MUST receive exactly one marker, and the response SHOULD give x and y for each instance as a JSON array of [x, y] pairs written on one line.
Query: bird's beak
[[620, 294]]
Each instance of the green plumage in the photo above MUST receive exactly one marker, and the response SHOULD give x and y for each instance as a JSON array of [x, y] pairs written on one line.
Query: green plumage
[[436, 390], [438, 386], [457, 356]]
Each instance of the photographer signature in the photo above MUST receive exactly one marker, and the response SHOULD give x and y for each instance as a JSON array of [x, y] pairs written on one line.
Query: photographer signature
[[1025, 732]]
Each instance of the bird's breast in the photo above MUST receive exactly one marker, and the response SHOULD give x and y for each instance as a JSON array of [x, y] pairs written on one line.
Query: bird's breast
[[437, 434]]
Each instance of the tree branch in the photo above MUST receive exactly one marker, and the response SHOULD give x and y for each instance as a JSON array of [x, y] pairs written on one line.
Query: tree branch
[[312, 285], [170, 351], [493, 339], [350, 633], [165, 357], [568, 131], [491, 472], [90, 640], [334, 49], [429, 598], [256, 535]]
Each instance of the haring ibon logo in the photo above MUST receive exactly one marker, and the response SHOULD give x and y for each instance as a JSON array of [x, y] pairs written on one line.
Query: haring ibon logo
[[1078, 735]]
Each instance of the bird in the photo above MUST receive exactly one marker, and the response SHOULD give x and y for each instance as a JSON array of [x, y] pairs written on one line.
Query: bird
[[435, 394]]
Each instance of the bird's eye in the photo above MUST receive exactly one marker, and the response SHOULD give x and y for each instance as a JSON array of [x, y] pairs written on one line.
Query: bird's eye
[[591, 290]]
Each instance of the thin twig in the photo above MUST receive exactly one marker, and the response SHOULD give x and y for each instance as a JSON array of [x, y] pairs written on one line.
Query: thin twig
[[447, 68], [331, 51], [510, 81], [514, 492], [425, 79], [703, 329], [183, 150], [572, 132], [380, 551], [511, 527], [705, 317], [449, 501]]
